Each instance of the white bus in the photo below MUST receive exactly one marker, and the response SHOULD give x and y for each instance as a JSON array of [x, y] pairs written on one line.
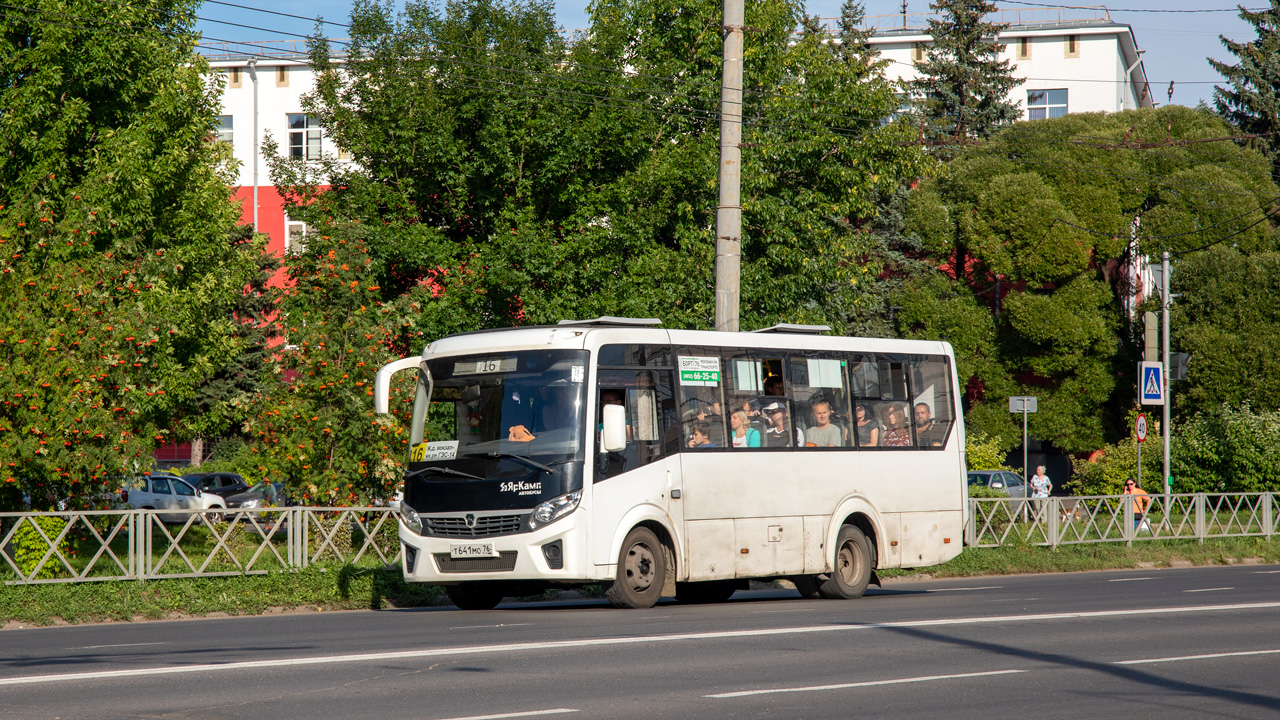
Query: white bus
[[677, 462]]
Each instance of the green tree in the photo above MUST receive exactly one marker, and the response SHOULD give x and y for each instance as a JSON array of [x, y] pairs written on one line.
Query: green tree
[[1251, 100], [963, 87], [579, 181], [1032, 230], [1225, 315], [119, 282]]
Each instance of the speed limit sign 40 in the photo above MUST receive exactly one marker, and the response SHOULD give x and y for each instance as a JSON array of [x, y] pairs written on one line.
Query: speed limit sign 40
[[1140, 428]]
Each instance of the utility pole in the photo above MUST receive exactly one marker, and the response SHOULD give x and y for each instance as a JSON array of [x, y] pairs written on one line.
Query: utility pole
[[253, 74], [729, 209], [1165, 301]]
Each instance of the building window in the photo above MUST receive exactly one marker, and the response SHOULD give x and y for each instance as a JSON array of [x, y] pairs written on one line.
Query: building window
[[1043, 104], [1024, 48], [304, 136], [1073, 46], [226, 125], [295, 236], [233, 77], [917, 53], [282, 76]]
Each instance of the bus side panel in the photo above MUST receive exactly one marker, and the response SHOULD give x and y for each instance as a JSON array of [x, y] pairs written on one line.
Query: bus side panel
[[622, 502], [815, 554], [931, 538], [768, 546], [710, 549]]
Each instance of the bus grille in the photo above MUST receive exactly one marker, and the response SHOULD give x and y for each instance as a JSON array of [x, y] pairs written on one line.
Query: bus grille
[[505, 562], [485, 526]]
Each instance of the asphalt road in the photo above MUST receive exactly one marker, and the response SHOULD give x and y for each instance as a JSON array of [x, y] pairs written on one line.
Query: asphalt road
[[1202, 642]]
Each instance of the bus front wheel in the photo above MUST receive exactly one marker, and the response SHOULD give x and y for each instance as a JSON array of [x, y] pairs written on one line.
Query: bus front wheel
[[852, 570], [474, 596], [642, 571]]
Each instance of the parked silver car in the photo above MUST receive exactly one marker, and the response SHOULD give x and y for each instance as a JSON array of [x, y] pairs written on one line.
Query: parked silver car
[[168, 492], [1010, 483]]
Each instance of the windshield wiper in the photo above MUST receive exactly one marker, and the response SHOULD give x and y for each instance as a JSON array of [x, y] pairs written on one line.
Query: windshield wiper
[[521, 458], [442, 471]]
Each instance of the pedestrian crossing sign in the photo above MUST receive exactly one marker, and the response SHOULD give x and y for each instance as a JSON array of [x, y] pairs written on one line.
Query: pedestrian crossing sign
[[1151, 383]]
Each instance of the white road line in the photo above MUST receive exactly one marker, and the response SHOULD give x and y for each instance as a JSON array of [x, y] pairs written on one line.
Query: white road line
[[481, 627], [870, 683], [986, 587], [1197, 657], [96, 647], [1266, 572], [1209, 589], [469, 650], [1129, 579], [527, 713]]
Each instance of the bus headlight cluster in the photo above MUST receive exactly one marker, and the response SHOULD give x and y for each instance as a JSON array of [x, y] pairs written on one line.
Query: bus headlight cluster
[[554, 509], [410, 519]]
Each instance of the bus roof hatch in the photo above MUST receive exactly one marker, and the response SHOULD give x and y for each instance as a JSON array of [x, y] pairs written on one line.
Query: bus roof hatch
[[795, 329], [611, 321]]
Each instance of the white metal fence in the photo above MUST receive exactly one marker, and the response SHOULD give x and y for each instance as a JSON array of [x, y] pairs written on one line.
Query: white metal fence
[[1054, 521], [97, 545]]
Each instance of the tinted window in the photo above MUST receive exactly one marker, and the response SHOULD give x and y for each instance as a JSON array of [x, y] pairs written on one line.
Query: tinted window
[[932, 409], [820, 392], [161, 486], [652, 428], [183, 489]]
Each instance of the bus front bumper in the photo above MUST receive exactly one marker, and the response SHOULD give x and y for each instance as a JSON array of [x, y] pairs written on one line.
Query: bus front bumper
[[553, 553]]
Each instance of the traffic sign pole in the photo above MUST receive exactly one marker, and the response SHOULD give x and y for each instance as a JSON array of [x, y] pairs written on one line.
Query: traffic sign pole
[[1140, 431], [1164, 418]]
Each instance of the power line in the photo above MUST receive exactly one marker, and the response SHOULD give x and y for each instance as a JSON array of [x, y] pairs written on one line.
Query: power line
[[1133, 10]]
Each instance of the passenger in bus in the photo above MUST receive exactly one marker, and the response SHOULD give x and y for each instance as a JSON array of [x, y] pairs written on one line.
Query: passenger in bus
[[896, 431], [742, 435], [868, 427], [824, 433], [778, 434], [773, 386], [929, 433], [700, 436]]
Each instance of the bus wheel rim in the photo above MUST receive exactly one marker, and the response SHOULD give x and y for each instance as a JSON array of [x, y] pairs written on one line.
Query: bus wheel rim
[[639, 566]]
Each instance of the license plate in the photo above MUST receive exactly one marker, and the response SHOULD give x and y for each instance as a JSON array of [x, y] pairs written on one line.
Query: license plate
[[472, 550]]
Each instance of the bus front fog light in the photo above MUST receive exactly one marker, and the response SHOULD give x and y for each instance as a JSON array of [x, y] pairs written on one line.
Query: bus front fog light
[[554, 509], [410, 519]]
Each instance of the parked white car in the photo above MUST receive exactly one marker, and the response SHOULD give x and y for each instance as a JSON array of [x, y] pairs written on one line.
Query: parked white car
[[165, 492]]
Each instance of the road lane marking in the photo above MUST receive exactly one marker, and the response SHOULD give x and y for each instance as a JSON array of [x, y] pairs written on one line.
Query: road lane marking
[[623, 641], [481, 627], [1266, 572], [1129, 579], [1209, 589], [1210, 656], [986, 587], [869, 683], [527, 713], [97, 647]]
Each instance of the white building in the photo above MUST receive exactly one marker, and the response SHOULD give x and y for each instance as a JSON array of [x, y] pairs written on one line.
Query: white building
[[1072, 60]]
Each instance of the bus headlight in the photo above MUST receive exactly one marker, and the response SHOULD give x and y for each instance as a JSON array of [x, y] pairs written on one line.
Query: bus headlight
[[410, 519], [554, 509]]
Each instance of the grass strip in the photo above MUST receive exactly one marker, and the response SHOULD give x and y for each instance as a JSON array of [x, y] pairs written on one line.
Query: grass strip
[[348, 587]]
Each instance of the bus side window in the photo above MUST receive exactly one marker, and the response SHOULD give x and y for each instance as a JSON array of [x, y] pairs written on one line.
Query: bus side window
[[933, 407], [821, 399], [702, 379]]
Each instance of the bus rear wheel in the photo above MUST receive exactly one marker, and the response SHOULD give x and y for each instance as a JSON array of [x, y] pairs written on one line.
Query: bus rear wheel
[[642, 571], [474, 596], [852, 570], [699, 593]]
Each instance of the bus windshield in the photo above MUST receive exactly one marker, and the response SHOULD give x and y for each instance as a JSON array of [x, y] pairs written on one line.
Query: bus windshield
[[528, 403]]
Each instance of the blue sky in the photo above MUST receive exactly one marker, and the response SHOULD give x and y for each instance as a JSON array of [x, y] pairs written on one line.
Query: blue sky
[[1176, 44]]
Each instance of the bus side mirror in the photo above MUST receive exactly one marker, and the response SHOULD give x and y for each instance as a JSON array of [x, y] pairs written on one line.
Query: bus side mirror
[[614, 436]]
